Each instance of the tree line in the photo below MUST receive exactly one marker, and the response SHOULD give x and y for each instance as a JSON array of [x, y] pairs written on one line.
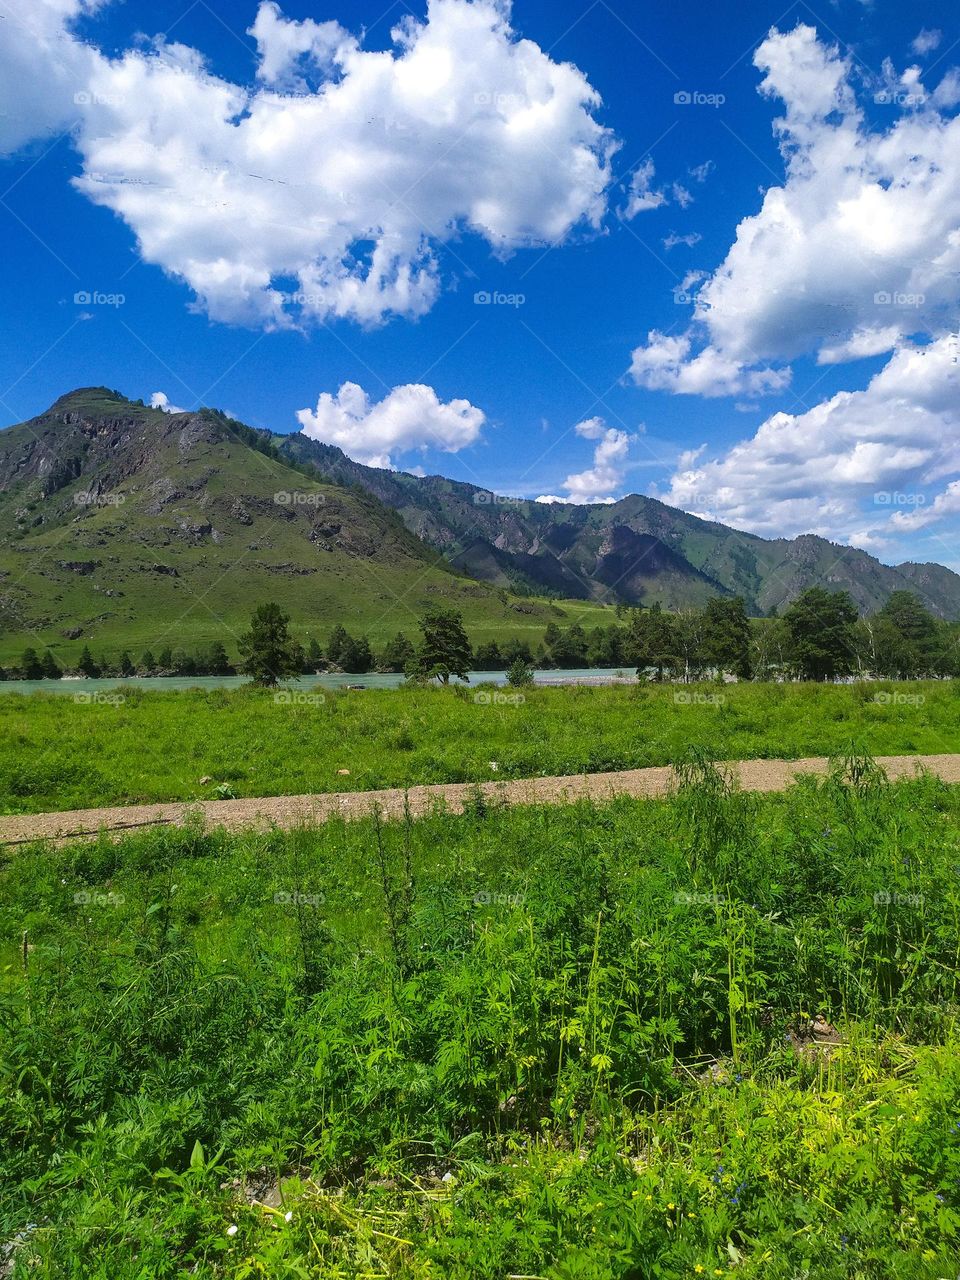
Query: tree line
[[818, 637]]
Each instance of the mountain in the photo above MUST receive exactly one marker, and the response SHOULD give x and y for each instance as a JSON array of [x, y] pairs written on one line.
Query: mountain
[[637, 550], [125, 526]]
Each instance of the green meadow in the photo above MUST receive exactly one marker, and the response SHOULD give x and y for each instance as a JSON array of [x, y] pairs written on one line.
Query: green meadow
[[563, 1042], [135, 745]]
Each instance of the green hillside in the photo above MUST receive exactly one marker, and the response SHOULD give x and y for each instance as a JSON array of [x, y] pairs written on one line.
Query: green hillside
[[125, 527]]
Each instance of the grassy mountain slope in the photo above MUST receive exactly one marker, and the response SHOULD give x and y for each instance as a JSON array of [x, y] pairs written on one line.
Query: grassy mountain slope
[[638, 549], [123, 526]]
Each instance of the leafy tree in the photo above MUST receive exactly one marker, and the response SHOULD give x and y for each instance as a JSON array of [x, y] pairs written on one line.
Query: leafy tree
[[515, 649], [519, 674], [314, 656], [216, 662], [51, 668], [726, 635], [398, 653], [126, 664], [911, 639], [183, 663], [445, 650], [148, 662], [820, 625], [87, 666], [338, 638], [268, 652], [569, 650], [488, 657], [355, 656], [165, 661], [655, 642], [605, 648], [31, 665]]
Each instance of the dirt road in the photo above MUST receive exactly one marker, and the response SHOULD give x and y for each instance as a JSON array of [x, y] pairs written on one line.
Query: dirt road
[[292, 811]]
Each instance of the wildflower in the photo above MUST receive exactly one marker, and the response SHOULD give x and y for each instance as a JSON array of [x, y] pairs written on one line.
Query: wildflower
[[671, 1206], [699, 1270], [288, 1216], [232, 1229]]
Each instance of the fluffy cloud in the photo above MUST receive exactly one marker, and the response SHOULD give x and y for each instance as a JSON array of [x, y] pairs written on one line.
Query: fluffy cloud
[[860, 246], [324, 191], [609, 462], [926, 41], [160, 400], [857, 467], [641, 195], [410, 417], [44, 69]]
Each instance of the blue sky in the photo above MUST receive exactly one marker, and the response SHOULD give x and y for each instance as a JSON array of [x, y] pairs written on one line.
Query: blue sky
[[557, 401]]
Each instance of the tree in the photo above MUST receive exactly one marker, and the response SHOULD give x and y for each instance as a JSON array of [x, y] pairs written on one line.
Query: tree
[[820, 625], [488, 657], [655, 642], [515, 649], [569, 648], [445, 649], [217, 663], [268, 652], [338, 638], [165, 661], [87, 666], [398, 653], [126, 664], [355, 656], [314, 656], [51, 668], [148, 663], [910, 639], [726, 638], [520, 674], [31, 666]]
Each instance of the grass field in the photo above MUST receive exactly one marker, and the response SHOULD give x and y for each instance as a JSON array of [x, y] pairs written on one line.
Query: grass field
[[56, 753], [530, 1042]]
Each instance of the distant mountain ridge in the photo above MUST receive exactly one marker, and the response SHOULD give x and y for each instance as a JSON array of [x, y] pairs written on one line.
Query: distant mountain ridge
[[129, 526], [639, 550]]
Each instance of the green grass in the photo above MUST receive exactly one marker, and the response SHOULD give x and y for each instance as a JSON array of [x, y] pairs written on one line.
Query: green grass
[[57, 754], [476, 1047]]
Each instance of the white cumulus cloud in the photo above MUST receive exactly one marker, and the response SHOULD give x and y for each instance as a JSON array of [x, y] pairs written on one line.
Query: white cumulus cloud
[[325, 189], [409, 417], [160, 400], [598, 483]]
